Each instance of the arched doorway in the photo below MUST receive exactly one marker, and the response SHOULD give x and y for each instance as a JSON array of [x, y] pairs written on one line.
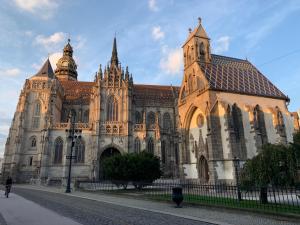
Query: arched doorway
[[203, 169], [109, 152]]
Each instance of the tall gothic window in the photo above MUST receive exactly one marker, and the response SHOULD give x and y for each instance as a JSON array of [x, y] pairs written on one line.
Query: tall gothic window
[[237, 121], [138, 117], [79, 151], [167, 124], [36, 115], [73, 115], [58, 150], [163, 152], [150, 118], [259, 124], [150, 146], [137, 145], [86, 116], [112, 109]]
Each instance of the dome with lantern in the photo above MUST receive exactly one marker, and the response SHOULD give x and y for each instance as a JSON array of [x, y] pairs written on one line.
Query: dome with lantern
[[66, 67]]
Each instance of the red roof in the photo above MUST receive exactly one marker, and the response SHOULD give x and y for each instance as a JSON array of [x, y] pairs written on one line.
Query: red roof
[[154, 95]]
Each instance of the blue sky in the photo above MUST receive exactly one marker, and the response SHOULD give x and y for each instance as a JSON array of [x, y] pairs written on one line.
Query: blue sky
[[150, 34]]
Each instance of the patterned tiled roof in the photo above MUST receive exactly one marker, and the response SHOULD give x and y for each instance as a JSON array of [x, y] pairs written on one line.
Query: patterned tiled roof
[[154, 95], [238, 76], [77, 91]]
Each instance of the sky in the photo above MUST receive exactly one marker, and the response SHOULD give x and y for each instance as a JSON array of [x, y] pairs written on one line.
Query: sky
[[149, 35]]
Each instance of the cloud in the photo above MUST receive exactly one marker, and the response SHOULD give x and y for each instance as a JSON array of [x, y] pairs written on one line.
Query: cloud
[[157, 33], [152, 5], [54, 58], [221, 45], [52, 41], [171, 63], [13, 72], [47, 7]]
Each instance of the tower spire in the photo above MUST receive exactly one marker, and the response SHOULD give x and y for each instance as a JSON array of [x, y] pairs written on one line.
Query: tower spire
[[114, 55]]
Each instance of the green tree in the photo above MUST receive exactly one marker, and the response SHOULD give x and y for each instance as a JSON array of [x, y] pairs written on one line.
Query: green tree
[[139, 168], [275, 165]]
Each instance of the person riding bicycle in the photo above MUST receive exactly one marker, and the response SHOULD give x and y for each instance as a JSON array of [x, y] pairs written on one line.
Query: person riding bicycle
[[8, 185]]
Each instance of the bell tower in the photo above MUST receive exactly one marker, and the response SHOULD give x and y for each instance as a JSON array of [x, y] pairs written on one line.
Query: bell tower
[[197, 46], [66, 67]]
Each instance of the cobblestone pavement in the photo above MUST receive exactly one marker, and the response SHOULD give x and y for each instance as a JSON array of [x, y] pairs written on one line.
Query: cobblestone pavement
[[91, 212]]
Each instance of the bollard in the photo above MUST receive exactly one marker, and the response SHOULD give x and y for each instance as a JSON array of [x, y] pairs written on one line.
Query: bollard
[[177, 196]]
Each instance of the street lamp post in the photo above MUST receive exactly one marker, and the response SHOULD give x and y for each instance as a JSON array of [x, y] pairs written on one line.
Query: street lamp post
[[236, 163], [73, 134]]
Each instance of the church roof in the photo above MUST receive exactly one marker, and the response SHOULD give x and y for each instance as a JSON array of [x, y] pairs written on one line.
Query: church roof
[[147, 95], [238, 76], [46, 70], [77, 92]]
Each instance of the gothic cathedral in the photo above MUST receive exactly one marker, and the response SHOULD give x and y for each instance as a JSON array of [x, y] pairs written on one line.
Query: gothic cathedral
[[224, 108]]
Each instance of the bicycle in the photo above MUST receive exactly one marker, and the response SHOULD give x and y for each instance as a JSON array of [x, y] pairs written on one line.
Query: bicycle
[[7, 190]]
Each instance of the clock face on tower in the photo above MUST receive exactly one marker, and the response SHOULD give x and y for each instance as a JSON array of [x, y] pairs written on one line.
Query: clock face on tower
[[65, 63]]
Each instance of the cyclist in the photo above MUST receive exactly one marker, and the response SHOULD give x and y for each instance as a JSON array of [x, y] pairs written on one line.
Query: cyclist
[[8, 184]]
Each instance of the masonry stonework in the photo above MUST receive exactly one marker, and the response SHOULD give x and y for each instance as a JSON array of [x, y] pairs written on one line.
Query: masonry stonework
[[224, 108]]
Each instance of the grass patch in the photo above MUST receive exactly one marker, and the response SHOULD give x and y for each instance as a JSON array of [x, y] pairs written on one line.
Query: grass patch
[[233, 203]]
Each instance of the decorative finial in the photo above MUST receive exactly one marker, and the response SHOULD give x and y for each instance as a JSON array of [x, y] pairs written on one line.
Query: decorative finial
[[199, 19], [190, 30], [69, 40]]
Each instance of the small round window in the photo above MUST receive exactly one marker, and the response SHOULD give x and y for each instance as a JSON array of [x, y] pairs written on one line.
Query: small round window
[[200, 120]]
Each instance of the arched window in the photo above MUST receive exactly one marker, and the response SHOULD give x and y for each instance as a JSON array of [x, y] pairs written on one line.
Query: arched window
[[167, 124], [137, 145], [65, 115], [259, 124], [73, 115], [237, 121], [33, 142], [150, 118], [58, 150], [163, 152], [201, 49], [86, 116], [279, 117], [138, 117], [279, 124], [150, 146], [112, 109], [36, 115], [30, 161], [79, 151]]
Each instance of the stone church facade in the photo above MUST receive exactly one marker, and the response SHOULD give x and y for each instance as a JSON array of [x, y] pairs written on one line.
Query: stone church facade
[[224, 108]]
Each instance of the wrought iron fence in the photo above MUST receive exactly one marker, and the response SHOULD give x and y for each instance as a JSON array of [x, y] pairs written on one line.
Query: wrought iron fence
[[273, 199]]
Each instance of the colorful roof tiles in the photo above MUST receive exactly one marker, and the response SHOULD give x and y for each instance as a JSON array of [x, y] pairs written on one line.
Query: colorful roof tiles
[[238, 76]]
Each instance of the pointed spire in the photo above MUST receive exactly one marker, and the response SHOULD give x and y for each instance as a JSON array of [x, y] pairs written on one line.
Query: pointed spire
[[126, 73], [100, 72], [114, 55], [46, 70]]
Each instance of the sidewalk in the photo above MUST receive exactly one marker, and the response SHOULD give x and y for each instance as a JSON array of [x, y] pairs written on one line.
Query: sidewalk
[[210, 215], [16, 210]]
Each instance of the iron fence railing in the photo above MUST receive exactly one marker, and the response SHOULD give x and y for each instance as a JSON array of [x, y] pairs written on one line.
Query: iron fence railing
[[278, 199]]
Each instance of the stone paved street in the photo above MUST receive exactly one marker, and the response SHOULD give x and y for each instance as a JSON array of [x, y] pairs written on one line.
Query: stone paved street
[[89, 212], [93, 208]]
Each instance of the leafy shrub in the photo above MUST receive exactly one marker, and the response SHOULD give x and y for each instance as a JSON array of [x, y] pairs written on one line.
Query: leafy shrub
[[139, 168]]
